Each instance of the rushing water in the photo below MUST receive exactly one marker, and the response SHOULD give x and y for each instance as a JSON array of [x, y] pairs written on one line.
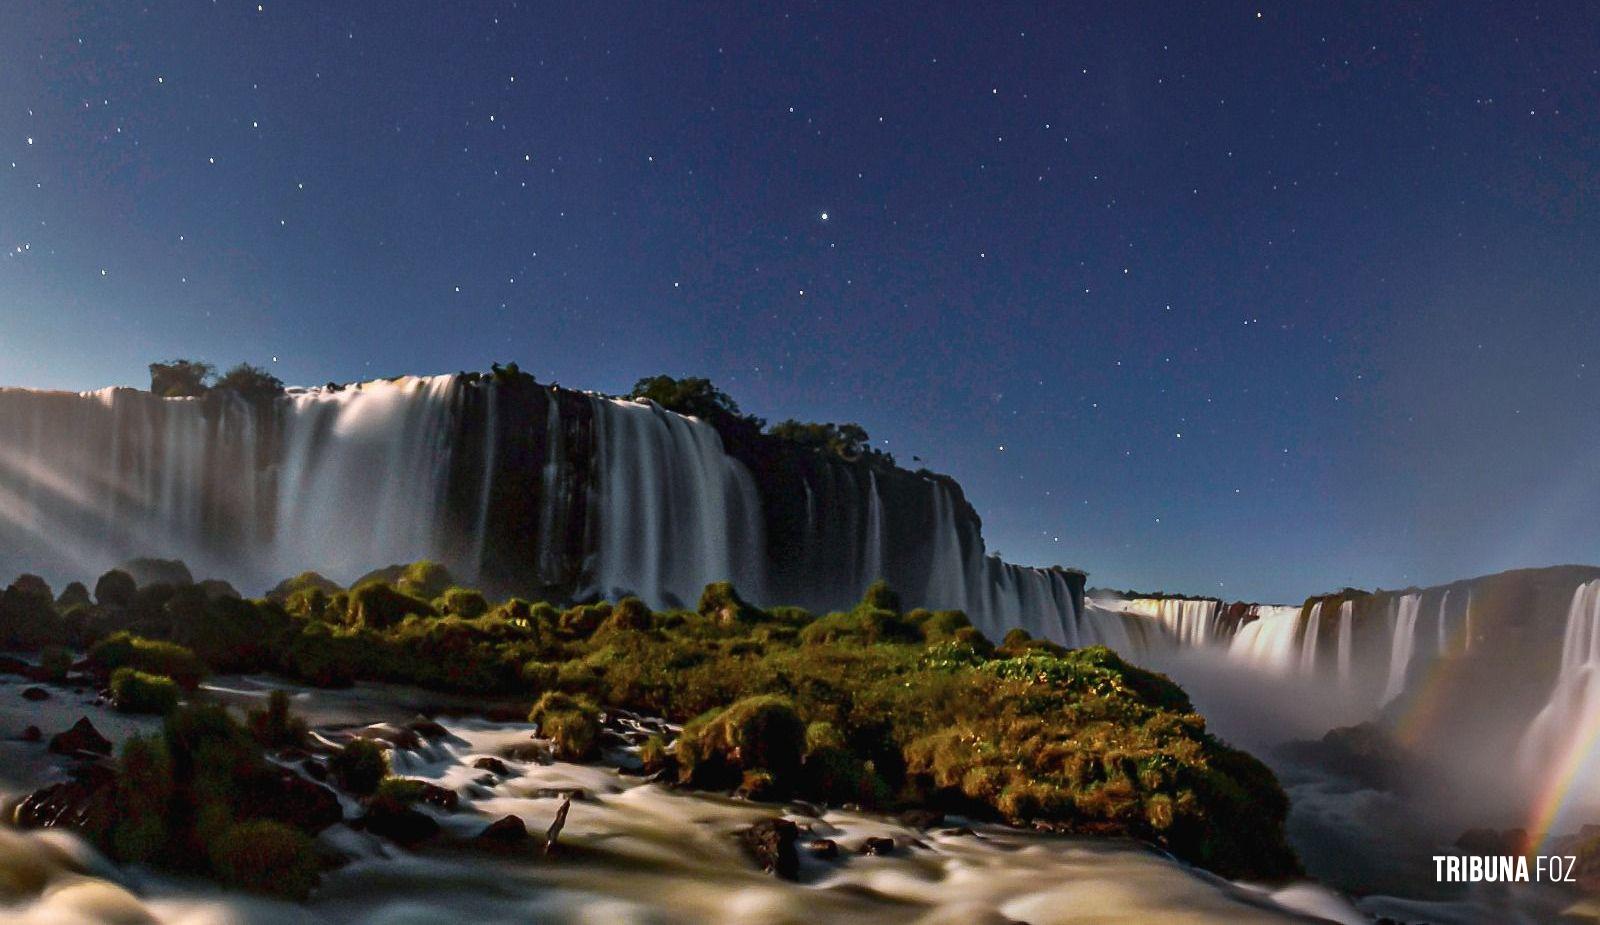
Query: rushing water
[[638, 852]]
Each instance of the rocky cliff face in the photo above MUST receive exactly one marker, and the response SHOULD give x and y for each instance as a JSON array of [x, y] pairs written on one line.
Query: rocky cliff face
[[527, 488]]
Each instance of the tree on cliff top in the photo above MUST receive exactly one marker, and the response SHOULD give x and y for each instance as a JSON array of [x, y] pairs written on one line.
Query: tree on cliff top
[[251, 383], [180, 378], [694, 396]]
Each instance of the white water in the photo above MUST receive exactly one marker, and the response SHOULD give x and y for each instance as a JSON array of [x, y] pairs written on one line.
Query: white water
[[1346, 639], [673, 512], [1308, 644], [1191, 622], [337, 480], [1404, 641], [1267, 642], [1558, 740]]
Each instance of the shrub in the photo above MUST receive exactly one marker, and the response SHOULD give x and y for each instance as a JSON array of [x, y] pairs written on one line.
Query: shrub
[[571, 723], [375, 605], [721, 602], [653, 755], [462, 602], [180, 378], [74, 595], [879, 596], [629, 614], [28, 617], [251, 383], [55, 662], [124, 650], [360, 766], [424, 579], [134, 691], [266, 857], [757, 733], [581, 621], [115, 589], [275, 727]]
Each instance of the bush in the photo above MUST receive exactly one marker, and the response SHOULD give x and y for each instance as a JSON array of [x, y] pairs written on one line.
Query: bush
[[55, 662], [879, 596], [571, 723], [124, 650], [266, 857], [424, 579], [629, 614], [761, 733], [74, 595], [462, 602], [581, 621], [180, 378], [28, 617], [115, 589], [251, 383], [360, 766], [721, 602], [134, 691], [375, 605], [145, 787], [275, 727]]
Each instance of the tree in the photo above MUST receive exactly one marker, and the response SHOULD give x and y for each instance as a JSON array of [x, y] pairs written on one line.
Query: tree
[[251, 383], [180, 378], [694, 396]]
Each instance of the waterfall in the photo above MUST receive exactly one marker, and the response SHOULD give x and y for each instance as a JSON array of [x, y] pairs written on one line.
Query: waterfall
[[672, 511], [554, 499], [1564, 728], [1308, 643], [1191, 621], [1444, 637], [1267, 642], [873, 560], [1402, 643], [1346, 639]]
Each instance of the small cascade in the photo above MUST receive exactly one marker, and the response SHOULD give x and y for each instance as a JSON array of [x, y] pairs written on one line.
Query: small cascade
[[1190, 621], [1444, 624], [1562, 733], [1308, 643], [872, 561], [555, 499], [1346, 639], [1402, 643]]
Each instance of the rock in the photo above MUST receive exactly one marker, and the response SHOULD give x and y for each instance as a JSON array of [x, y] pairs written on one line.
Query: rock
[[398, 822], [86, 803], [12, 665], [283, 796], [396, 736], [444, 798], [504, 833], [959, 832], [35, 694], [922, 818], [492, 765], [427, 728], [824, 848], [32, 734], [317, 769], [82, 737], [556, 825], [528, 751], [878, 845], [770, 843]]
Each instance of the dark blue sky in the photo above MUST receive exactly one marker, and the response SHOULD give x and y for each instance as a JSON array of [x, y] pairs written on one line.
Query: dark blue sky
[[1253, 300]]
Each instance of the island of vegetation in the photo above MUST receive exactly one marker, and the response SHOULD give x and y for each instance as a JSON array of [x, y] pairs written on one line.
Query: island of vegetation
[[877, 706]]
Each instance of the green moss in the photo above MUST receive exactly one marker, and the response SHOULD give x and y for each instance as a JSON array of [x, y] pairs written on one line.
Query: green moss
[[152, 656], [55, 662], [133, 691], [761, 733], [462, 602], [571, 723], [376, 605], [266, 857]]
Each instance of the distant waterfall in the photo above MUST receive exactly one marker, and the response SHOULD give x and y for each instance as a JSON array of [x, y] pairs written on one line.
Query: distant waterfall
[[1571, 716], [672, 511], [1346, 639], [1404, 642], [1308, 644], [1191, 621], [1444, 624]]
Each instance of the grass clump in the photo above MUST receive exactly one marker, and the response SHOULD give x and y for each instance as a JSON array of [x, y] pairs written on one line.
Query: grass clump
[[360, 767], [572, 723], [133, 691]]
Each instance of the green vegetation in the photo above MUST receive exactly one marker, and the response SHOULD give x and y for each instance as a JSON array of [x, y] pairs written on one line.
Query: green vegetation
[[872, 705], [359, 767], [180, 378], [133, 691]]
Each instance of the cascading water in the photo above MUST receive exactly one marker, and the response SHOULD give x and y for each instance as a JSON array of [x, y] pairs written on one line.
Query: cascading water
[[1404, 641], [1346, 640], [1308, 643], [1190, 621], [1565, 728], [672, 511], [1267, 641]]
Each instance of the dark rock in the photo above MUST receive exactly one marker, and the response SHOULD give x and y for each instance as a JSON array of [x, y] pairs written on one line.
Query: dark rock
[[922, 818], [959, 831], [1365, 754], [86, 803], [825, 848], [32, 734], [82, 737], [427, 728], [398, 822], [316, 768], [504, 833], [528, 751], [556, 825], [770, 843], [35, 694], [283, 796], [492, 765], [441, 797], [12, 665], [878, 845]]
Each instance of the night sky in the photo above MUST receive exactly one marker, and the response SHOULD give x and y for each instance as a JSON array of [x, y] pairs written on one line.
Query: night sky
[[1247, 300]]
